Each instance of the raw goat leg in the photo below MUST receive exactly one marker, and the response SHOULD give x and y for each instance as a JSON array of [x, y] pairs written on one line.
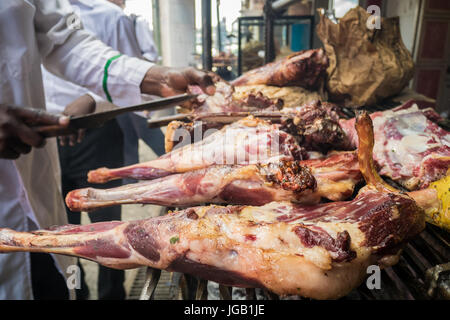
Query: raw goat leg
[[336, 175], [314, 125], [319, 251], [250, 185], [306, 69], [248, 141]]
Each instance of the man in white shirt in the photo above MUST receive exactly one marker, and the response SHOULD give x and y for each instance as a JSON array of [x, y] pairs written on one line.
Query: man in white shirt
[[134, 127], [144, 35], [38, 31], [129, 35], [108, 23], [145, 39]]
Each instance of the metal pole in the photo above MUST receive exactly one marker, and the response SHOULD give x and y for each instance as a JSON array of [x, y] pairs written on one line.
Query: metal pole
[[206, 35], [219, 31], [239, 48], [157, 26], [269, 43]]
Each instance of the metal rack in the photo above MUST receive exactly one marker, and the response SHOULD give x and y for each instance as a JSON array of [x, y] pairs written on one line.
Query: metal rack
[[272, 17], [260, 21]]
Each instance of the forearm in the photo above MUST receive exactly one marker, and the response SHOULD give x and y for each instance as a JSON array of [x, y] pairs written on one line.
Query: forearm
[[82, 59], [77, 56]]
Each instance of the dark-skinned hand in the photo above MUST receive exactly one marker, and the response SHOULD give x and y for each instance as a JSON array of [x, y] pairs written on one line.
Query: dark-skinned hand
[[165, 82], [79, 107], [17, 136]]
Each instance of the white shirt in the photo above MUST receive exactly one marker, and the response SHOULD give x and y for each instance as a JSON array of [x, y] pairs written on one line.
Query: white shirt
[[107, 22], [144, 37], [32, 32]]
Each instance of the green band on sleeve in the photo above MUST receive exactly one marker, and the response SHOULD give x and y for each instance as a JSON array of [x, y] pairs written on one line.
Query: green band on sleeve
[[105, 77]]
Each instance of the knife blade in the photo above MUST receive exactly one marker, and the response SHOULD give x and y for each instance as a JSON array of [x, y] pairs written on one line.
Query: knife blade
[[95, 120], [217, 117]]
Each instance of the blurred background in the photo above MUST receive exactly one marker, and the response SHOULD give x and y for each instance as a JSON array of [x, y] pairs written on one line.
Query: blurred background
[[236, 34]]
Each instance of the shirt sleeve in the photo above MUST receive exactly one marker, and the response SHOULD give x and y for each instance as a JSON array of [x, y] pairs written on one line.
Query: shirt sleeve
[[124, 37], [145, 39], [75, 55], [96, 98]]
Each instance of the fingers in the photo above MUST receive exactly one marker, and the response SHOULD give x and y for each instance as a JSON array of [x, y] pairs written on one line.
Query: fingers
[[81, 106], [20, 147], [25, 134], [12, 148], [72, 139], [67, 140], [164, 81], [35, 117], [16, 133], [81, 134], [8, 154], [62, 141], [200, 78]]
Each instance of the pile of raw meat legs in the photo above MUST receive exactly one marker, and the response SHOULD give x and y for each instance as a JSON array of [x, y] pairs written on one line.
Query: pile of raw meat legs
[[290, 200]]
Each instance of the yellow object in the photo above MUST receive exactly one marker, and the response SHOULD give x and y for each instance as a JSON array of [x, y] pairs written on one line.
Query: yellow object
[[441, 216]]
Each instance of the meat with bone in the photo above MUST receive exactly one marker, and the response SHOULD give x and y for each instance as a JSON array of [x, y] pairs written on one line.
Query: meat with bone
[[314, 125], [291, 96], [434, 201], [252, 184], [409, 147], [306, 69], [248, 141], [224, 100], [319, 251], [336, 177]]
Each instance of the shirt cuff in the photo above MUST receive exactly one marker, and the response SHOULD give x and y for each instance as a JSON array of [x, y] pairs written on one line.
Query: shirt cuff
[[96, 98], [125, 75]]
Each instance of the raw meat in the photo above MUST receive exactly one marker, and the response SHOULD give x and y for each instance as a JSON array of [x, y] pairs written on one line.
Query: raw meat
[[336, 178], [305, 69], [319, 251], [409, 147]]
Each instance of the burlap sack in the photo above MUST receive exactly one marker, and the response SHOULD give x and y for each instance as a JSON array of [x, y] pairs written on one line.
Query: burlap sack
[[366, 65]]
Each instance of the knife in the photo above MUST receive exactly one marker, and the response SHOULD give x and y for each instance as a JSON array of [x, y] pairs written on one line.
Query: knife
[[217, 117], [95, 120]]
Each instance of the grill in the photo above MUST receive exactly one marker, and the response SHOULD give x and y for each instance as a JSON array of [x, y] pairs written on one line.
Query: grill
[[407, 280], [422, 273]]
